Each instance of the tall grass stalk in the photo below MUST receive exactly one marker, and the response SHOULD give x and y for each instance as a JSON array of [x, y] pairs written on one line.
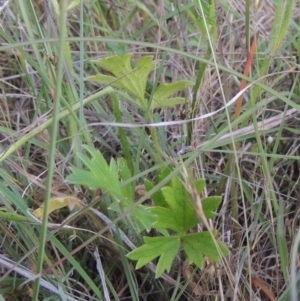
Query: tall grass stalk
[[52, 150], [230, 152], [49, 122]]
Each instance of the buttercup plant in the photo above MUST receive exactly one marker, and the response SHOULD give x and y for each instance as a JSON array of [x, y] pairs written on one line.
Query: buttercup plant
[[174, 212]]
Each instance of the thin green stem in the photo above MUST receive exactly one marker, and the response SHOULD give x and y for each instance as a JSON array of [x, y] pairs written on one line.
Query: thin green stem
[[122, 133], [81, 76], [50, 121], [195, 93], [247, 22], [52, 151]]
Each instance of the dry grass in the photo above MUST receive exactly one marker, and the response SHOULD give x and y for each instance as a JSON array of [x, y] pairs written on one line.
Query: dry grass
[[258, 218]]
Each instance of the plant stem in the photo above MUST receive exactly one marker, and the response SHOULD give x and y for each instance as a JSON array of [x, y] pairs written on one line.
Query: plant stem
[[50, 121], [52, 152], [122, 133]]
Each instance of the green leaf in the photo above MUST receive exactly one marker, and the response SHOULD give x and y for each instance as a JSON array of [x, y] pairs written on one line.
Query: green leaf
[[168, 103], [209, 204], [198, 245], [144, 217], [156, 197], [115, 206], [114, 48], [124, 170], [209, 15], [124, 175], [131, 80], [181, 215], [99, 175], [200, 185], [164, 91], [164, 247], [106, 80], [117, 65], [165, 219], [83, 177]]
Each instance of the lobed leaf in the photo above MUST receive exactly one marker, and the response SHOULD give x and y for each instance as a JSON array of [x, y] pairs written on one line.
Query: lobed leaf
[[165, 220], [164, 91], [200, 185], [144, 216], [100, 174], [181, 206], [168, 102], [132, 80], [198, 245], [209, 204], [124, 175], [164, 247], [156, 197]]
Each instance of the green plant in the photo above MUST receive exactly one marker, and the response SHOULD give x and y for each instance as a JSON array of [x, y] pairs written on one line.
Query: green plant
[[204, 41], [206, 21], [132, 78], [110, 179], [175, 210]]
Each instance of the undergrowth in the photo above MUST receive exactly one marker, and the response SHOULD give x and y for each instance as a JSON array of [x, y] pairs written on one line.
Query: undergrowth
[[149, 151]]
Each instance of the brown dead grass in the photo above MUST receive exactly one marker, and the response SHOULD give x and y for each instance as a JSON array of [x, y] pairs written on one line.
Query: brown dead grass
[[265, 274]]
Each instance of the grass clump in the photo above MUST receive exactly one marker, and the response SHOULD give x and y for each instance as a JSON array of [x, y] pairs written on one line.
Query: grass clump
[[148, 123]]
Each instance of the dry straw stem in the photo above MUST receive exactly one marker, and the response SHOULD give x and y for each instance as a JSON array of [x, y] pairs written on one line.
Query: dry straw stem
[[189, 184], [205, 116], [107, 221], [15, 146], [264, 125], [24, 272]]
